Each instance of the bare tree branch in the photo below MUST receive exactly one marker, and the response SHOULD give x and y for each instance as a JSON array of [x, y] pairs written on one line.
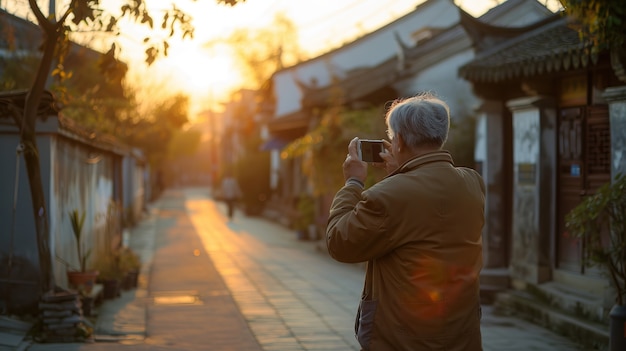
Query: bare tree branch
[[41, 18]]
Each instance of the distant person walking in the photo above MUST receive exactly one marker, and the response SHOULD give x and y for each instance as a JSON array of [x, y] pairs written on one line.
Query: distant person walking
[[419, 230], [230, 193]]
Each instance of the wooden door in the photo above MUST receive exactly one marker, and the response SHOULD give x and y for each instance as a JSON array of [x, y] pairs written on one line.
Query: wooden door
[[584, 147]]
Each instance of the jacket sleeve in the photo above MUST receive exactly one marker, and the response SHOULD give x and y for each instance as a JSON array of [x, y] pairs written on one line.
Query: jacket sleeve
[[356, 231]]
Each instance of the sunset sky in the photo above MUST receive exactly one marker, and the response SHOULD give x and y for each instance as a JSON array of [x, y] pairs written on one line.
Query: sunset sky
[[208, 74]]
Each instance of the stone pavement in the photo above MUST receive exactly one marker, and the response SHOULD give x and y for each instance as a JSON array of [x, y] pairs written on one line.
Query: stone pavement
[[210, 284]]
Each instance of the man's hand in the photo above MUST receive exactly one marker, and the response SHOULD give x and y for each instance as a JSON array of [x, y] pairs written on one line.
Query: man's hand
[[353, 167]]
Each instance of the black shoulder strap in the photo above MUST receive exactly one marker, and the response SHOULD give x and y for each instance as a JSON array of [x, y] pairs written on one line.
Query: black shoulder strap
[[367, 286]]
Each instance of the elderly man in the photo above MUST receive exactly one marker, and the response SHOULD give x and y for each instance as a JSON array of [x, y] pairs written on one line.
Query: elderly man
[[419, 230]]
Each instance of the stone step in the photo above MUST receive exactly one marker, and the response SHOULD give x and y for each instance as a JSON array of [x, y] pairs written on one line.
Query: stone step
[[492, 282], [577, 302], [592, 335]]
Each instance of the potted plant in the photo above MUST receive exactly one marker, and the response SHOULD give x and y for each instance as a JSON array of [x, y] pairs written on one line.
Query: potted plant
[[130, 263], [82, 279], [305, 217], [600, 221], [252, 173], [110, 275]]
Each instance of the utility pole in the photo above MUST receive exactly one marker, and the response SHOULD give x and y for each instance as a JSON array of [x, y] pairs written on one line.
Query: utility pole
[[52, 15], [52, 10]]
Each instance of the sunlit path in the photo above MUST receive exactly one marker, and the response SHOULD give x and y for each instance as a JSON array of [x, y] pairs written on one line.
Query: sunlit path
[[293, 299]]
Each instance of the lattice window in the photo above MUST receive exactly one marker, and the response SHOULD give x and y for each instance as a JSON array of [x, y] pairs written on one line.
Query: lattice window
[[570, 135], [598, 143]]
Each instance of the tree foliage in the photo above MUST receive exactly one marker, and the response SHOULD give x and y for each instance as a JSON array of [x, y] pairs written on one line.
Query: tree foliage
[[56, 27], [600, 221], [603, 22], [324, 148], [186, 161], [154, 135], [17, 73], [252, 172], [184, 143], [241, 151]]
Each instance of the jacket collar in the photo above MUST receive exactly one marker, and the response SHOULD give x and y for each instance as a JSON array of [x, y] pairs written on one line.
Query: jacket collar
[[419, 161]]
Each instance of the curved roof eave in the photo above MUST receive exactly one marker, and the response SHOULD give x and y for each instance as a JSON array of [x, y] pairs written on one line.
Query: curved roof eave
[[549, 47]]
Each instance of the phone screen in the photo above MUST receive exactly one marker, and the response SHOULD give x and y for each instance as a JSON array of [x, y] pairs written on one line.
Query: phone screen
[[369, 150]]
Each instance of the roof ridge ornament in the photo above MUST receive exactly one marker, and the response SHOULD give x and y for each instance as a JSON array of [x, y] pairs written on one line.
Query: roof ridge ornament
[[402, 51], [618, 62]]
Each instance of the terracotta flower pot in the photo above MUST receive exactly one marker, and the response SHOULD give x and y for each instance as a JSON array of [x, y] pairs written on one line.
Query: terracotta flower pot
[[130, 280], [82, 281], [110, 288]]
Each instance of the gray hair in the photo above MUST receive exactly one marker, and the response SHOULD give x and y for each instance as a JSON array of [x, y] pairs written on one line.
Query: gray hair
[[422, 120]]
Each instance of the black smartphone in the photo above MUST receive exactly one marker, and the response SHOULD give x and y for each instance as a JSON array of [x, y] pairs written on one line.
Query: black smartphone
[[369, 150]]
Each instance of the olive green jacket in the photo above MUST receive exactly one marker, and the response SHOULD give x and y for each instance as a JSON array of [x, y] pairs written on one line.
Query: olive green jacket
[[419, 229]]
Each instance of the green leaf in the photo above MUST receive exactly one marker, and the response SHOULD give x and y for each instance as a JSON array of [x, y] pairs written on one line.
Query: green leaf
[[82, 11], [600, 220], [165, 18]]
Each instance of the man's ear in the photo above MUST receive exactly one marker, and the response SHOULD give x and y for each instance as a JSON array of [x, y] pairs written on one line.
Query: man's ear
[[400, 141]]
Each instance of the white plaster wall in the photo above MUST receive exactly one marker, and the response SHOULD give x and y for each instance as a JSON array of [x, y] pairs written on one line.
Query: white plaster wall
[[83, 181], [443, 80], [365, 52], [288, 95]]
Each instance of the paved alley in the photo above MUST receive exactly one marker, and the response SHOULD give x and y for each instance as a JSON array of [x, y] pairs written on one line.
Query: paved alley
[[247, 284]]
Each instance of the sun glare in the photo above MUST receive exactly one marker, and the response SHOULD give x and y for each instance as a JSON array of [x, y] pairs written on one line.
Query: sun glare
[[199, 72]]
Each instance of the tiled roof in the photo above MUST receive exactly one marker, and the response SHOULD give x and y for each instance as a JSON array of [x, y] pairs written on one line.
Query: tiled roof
[[357, 85], [553, 47], [12, 101]]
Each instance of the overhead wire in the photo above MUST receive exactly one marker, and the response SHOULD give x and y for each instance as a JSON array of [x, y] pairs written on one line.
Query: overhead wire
[[340, 27]]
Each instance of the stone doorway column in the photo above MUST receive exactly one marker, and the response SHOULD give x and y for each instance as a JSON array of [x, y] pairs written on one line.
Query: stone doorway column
[[493, 157], [534, 189]]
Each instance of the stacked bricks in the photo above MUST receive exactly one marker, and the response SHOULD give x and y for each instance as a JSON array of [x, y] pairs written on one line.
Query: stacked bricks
[[62, 318]]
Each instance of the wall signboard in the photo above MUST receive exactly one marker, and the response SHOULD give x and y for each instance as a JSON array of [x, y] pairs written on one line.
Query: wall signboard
[[526, 174]]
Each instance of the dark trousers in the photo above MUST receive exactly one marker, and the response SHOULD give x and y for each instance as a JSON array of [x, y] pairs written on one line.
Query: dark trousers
[[231, 207]]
